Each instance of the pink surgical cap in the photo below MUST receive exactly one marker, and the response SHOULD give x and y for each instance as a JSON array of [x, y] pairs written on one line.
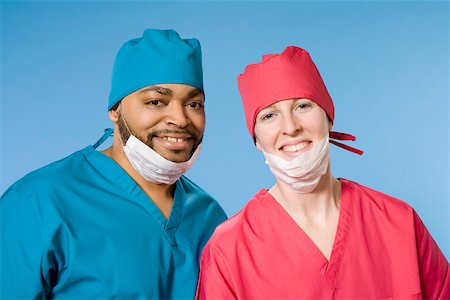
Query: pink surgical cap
[[289, 75]]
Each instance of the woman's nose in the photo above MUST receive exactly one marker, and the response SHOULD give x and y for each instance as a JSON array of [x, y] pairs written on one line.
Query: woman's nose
[[291, 124]]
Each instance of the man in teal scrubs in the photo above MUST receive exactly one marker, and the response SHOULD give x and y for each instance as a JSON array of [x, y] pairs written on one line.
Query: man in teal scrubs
[[123, 222]]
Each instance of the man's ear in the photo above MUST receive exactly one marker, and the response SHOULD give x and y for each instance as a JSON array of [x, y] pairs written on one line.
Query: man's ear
[[113, 114], [330, 125]]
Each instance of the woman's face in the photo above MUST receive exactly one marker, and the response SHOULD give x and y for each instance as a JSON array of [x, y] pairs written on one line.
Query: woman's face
[[290, 127]]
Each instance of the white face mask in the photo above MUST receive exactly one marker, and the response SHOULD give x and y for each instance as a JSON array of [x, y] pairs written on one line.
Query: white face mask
[[152, 166], [302, 173]]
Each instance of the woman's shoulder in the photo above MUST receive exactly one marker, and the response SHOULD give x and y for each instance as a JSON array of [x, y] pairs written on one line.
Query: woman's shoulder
[[236, 227], [369, 197]]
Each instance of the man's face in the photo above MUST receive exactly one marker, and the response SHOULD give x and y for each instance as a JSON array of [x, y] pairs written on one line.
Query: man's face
[[169, 118]]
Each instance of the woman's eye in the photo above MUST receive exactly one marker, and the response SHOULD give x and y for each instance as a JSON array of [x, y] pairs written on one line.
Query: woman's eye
[[303, 105], [267, 116]]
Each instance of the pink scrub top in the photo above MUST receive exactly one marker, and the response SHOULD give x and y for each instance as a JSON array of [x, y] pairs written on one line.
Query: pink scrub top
[[382, 250]]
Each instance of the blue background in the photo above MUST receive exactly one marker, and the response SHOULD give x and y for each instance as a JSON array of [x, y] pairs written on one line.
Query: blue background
[[386, 66]]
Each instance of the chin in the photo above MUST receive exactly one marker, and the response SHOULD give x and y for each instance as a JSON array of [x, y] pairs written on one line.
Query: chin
[[178, 160], [176, 157]]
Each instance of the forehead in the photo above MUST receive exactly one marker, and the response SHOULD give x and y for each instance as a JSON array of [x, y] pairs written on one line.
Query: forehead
[[171, 89], [286, 102]]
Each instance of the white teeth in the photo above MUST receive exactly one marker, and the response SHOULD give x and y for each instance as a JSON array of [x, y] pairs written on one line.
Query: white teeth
[[174, 140], [294, 148]]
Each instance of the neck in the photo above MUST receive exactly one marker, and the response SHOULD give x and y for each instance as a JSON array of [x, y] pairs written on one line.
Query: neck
[[320, 203], [316, 213], [161, 194]]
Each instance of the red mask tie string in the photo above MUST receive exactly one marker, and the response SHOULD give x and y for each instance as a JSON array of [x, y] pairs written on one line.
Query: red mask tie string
[[334, 135]]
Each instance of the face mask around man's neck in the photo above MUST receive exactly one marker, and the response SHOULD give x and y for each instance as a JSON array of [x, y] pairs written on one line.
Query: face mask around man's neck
[[151, 165]]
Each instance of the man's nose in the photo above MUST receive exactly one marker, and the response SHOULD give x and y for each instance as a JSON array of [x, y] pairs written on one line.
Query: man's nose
[[176, 115]]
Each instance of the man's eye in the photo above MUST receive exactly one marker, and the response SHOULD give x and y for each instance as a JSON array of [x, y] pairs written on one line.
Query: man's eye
[[195, 105], [154, 102]]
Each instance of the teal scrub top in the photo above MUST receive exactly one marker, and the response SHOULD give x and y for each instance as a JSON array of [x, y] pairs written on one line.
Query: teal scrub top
[[82, 228]]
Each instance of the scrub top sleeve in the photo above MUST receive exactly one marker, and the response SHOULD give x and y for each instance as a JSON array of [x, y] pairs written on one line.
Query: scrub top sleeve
[[434, 268], [21, 249], [214, 281]]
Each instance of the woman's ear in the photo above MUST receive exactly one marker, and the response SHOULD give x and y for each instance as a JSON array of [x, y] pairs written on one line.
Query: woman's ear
[[330, 125], [258, 146]]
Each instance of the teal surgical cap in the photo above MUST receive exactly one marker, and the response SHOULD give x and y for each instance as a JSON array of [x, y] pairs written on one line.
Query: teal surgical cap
[[158, 57]]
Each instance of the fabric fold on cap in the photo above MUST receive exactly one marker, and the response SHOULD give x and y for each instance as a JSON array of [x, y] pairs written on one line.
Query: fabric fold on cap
[[158, 57], [289, 75]]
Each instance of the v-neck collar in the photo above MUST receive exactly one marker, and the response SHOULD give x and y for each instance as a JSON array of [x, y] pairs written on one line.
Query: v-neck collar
[[328, 269], [113, 172]]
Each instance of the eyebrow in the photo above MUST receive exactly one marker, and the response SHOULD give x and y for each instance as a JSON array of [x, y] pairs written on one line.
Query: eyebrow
[[158, 89], [194, 92], [267, 107], [168, 92]]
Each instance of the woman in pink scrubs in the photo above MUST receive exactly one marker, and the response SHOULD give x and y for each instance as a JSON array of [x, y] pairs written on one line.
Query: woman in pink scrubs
[[314, 236]]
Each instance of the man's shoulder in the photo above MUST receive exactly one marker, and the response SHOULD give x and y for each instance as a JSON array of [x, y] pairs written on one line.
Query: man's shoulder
[[54, 174], [193, 191], [197, 198]]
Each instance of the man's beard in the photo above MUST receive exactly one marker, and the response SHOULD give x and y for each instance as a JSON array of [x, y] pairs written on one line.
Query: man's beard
[[125, 133]]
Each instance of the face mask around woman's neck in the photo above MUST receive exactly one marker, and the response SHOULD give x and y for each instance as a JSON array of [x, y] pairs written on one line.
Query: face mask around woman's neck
[[303, 172]]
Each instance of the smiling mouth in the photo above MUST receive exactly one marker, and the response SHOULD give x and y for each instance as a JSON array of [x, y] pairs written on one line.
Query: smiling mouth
[[175, 140], [296, 147], [175, 143]]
